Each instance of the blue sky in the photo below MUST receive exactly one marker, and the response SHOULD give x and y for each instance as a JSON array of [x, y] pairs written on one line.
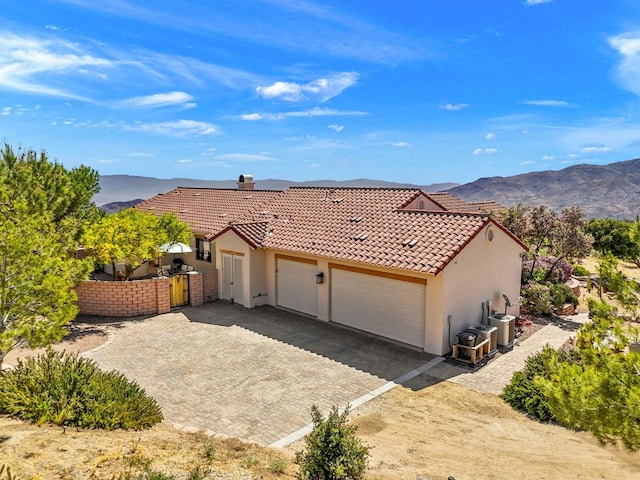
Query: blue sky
[[419, 91]]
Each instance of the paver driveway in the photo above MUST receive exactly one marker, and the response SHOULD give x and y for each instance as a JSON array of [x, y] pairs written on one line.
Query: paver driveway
[[251, 374]]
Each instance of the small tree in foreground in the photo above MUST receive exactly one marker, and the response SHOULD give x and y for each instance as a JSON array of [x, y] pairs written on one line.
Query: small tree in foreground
[[595, 388], [43, 207], [333, 451]]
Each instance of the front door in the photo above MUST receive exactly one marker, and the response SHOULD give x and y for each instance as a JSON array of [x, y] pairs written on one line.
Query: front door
[[232, 278]]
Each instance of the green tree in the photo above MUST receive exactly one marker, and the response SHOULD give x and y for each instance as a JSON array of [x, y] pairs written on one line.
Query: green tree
[[601, 394], [42, 210], [618, 237], [132, 237], [333, 451]]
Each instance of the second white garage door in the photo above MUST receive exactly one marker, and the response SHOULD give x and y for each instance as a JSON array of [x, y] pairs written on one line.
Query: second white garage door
[[388, 307], [297, 288]]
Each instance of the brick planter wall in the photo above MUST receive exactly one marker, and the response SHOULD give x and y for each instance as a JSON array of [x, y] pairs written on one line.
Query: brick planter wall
[[210, 286], [124, 299], [195, 288]]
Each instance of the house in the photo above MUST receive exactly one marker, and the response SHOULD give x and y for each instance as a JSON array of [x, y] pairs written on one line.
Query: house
[[399, 263]]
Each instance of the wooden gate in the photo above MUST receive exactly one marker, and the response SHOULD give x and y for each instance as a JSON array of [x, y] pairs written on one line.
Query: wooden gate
[[179, 290]]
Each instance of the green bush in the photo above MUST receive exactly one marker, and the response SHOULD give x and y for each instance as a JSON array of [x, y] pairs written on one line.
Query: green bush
[[561, 294], [333, 451], [522, 393], [68, 390], [536, 299], [580, 271]]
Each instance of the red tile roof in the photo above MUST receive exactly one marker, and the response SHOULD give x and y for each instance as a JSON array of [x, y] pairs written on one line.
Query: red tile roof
[[363, 225], [209, 210]]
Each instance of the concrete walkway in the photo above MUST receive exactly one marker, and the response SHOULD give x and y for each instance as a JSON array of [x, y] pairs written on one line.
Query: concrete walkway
[[493, 377]]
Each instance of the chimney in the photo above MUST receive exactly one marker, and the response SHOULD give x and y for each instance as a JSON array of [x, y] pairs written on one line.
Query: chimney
[[245, 182]]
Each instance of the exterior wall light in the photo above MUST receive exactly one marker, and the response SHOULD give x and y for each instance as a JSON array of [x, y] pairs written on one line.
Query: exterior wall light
[[320, 277]]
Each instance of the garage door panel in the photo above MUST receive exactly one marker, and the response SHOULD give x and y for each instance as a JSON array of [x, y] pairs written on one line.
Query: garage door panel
[[297, 288], [383, 306]]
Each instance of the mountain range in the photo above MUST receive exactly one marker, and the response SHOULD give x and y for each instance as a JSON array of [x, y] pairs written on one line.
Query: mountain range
[[611, 190]]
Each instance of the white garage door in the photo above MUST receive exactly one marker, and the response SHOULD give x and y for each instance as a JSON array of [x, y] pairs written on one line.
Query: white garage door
[[387, 307], [297, 287]]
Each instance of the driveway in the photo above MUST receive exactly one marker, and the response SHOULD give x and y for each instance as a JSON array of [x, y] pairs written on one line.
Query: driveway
[[249, 373]]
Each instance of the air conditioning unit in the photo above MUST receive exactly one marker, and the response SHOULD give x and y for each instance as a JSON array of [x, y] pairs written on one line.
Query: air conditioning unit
[[506, 325], [489, 333]]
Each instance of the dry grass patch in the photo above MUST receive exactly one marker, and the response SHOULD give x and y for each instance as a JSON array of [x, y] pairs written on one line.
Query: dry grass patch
[[47, 453]]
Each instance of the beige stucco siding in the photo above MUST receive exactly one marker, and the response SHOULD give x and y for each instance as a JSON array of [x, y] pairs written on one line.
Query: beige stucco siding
[[484, 270], [229, 242]]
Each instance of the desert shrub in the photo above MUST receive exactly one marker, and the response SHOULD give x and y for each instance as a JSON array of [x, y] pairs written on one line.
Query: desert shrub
[[561, 294], [68, 390], [523, 394], [536, 299], [580, 271], [333, 451], [278, 465]]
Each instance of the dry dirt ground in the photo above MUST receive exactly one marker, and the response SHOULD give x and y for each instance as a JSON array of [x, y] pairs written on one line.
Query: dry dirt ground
[[429, 428]]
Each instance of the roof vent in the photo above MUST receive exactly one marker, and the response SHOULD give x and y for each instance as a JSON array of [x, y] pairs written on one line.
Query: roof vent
[[245, 182]]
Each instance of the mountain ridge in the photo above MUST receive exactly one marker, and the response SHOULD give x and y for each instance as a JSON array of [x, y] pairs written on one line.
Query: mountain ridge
[[611, 190]]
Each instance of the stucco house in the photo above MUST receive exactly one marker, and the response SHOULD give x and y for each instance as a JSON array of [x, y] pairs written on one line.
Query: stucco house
[[406, 265]]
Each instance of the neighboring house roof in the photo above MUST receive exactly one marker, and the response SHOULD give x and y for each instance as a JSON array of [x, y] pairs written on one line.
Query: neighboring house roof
[[490, 207], [366, 225]]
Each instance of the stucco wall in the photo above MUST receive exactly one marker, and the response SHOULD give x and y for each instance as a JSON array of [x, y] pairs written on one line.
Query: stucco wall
[[483, 271], [124, 299], [230, 242]]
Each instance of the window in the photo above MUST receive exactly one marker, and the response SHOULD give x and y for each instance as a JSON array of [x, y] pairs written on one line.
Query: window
[[203, 250]]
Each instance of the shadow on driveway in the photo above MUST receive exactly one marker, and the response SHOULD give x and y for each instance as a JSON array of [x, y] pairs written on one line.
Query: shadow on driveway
[[358, 350]]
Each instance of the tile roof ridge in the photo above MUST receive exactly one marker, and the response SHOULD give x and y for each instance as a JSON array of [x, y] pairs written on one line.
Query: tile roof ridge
[[300, 187], [226, 189], [444, 212]]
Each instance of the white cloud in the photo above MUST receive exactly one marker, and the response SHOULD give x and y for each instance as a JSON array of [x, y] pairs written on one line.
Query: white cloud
[[315, 165], [312, 112], [321, 89], [572, 155], [251, 117], [337, 128], [6, 111], [31, 65], [528, 162], [140, 155], [595, 149], [546, 103], [628, 71], [547, 158], [485, 151], [179, 128], [537, 2], [184, 160], [401, 144], [490, 136], [159, 100], [453, 107], [245, 157]]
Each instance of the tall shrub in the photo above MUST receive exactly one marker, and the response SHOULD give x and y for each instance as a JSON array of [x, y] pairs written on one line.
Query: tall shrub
[[333, 451]]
